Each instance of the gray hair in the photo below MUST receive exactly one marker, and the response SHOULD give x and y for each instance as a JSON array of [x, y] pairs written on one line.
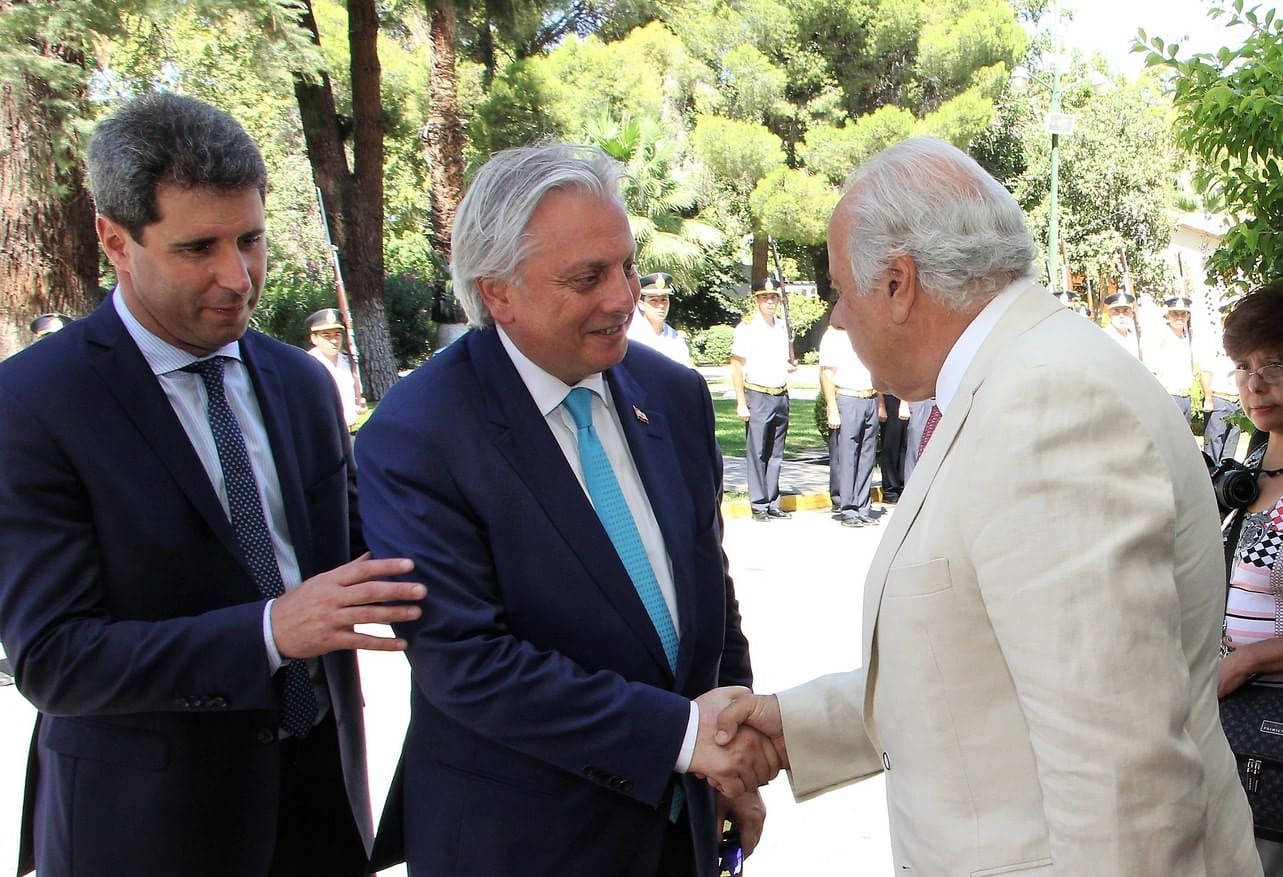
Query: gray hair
[[489, 239], [167, 140], [929, 200]]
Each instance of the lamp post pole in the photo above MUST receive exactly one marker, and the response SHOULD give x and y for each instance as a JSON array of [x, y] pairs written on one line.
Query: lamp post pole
[[1053, 274]]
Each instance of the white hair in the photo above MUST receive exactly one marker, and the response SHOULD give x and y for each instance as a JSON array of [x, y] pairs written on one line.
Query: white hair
[[489, 239], [929, 200]]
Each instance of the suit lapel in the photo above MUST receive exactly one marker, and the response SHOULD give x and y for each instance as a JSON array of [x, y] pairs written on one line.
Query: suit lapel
[[524, 439], [1031, 307], [125, 373]]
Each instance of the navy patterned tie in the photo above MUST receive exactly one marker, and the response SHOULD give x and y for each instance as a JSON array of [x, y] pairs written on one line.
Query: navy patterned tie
[[298, 701]]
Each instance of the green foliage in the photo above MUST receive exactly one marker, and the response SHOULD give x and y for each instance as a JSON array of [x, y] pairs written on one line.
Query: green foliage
[[794, 205], [1229, 110], [291, 294], [408, 301], [739, 152], [712, 346], [661, 189], [1115, 172], [805, 311], [835, 151]]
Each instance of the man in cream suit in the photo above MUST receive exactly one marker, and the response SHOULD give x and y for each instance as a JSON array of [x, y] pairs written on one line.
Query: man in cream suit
[[1042, 618]]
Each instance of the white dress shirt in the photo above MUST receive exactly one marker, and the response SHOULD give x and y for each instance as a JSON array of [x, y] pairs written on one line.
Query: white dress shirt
[[186, 394], [548, 392]]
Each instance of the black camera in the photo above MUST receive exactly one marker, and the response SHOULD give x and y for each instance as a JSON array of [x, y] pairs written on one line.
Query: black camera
[[1233, 483]]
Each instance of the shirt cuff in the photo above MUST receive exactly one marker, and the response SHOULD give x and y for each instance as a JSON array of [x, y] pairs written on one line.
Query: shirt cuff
[[688, 743], [274, 659]]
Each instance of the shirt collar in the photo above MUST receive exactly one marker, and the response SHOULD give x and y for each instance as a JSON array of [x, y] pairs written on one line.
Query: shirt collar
[[969, 343], [162, 357], [547, 391]]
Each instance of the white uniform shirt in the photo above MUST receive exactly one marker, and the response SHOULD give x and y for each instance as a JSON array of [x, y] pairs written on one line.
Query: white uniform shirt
[[667, 341], [765, 351], [341, 371], [1171, 362], [849, 373]]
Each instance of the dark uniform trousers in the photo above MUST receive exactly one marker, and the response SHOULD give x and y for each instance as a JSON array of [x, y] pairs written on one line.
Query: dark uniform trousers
[[768, 424], [852, 450], [1220, 437]]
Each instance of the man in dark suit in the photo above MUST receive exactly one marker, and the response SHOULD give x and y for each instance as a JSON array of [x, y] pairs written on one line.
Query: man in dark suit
[[177, 526], [558, 491]]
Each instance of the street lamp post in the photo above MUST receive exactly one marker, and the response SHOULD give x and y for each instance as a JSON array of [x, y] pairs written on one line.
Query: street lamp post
[[1053, 276], [1056, 124]]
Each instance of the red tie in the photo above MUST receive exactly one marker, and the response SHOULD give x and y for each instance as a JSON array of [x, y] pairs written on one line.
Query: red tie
[[932, 419]]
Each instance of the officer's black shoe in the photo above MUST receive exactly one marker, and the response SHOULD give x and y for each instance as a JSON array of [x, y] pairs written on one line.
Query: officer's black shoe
[[761, 516], [779, 513]]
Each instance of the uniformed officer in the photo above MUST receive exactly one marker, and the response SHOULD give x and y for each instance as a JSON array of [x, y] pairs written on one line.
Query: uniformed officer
[[648, 326], [760, 367], [1122, 321], [1220, 400], [326, 329], [1171, 359], [852, 409]]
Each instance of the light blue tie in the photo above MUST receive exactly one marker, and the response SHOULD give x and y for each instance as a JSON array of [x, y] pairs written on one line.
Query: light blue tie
[[612, 508]]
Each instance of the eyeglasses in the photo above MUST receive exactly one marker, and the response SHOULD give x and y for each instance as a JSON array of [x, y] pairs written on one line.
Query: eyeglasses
[[1270, 374]]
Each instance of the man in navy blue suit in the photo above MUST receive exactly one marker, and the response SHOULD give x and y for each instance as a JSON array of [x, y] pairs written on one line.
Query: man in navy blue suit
[[557, 724], [177, 528]]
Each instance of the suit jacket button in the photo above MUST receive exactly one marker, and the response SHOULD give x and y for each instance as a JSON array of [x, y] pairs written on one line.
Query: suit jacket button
[[265, 736], [218, 701], [622, 784]]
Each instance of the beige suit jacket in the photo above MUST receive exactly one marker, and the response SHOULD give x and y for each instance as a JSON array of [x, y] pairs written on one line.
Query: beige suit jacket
[[1041, 631]]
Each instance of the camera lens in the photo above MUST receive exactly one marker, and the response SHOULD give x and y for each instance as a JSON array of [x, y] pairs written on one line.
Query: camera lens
[[1237, 489]]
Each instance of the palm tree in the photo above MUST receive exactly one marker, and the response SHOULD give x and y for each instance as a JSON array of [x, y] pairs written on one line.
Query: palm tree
[[662, 193]]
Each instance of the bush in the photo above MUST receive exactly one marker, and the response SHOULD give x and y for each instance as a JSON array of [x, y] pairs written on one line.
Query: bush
[[291, 294], [713, 345], [407, 298]]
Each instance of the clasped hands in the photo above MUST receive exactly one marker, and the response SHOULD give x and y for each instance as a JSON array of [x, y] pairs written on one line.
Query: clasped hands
[[740, 742]]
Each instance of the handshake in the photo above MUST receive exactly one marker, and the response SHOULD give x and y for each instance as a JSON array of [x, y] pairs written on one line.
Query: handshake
[[740, 742]]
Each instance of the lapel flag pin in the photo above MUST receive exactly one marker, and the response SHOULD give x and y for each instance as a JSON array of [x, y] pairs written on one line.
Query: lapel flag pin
[[640, 415]]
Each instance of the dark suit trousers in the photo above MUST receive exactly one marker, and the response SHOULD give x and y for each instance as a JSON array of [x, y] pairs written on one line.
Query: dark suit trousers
[[316, 834], [768, 424], [891, 455]]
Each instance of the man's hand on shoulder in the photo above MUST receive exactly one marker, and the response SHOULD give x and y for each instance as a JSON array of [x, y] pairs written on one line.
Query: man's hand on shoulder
[[319, 615]]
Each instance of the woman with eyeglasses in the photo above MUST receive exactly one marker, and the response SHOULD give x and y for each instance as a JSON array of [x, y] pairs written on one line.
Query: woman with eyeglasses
[[1253, 338]]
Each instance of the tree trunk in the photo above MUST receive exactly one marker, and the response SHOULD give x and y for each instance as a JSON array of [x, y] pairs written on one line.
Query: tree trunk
[[443, 151], [46, 215], [354, 200], [444, 132]]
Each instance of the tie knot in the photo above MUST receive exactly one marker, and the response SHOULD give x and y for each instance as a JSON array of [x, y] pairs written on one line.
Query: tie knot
[[210, 370], [579, 403]]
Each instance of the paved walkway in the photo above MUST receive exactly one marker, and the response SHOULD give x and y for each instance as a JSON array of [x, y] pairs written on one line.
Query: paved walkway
[[803, 486]]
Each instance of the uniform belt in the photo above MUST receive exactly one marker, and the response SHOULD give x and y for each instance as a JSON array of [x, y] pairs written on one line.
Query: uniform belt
[[770, 391], [859, 394], [1226, 396]]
